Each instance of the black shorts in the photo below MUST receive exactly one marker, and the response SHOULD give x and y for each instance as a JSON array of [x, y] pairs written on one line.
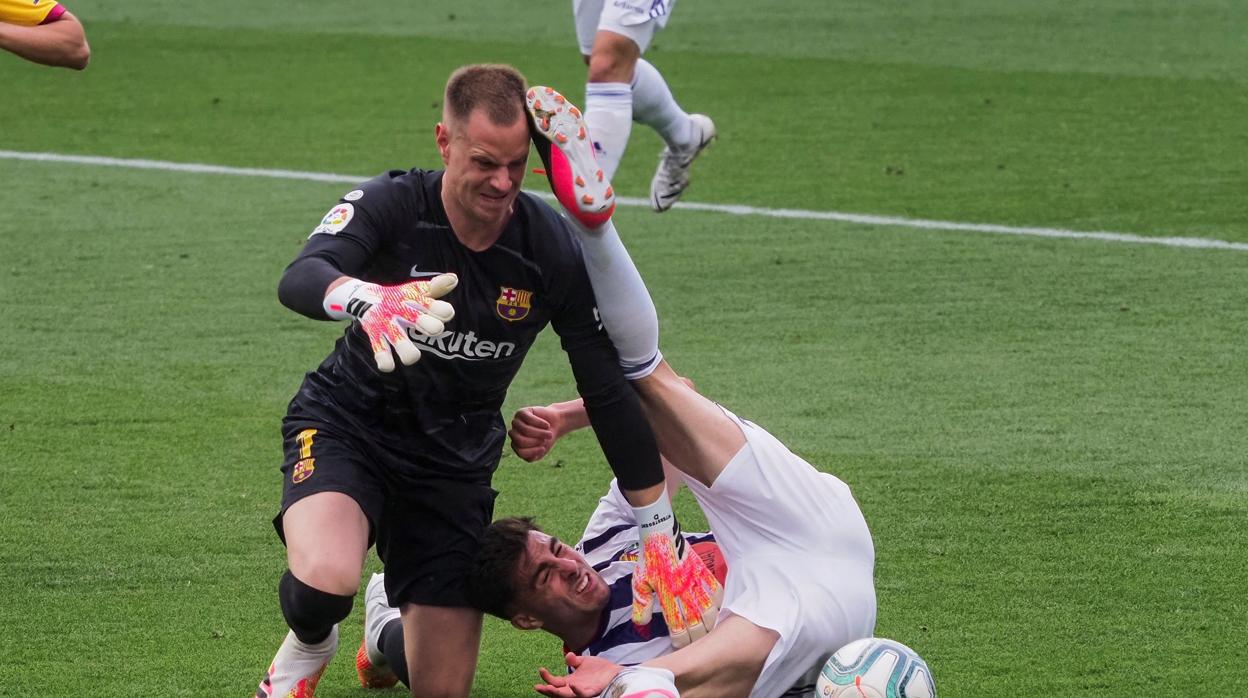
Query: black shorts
[[427, 528]]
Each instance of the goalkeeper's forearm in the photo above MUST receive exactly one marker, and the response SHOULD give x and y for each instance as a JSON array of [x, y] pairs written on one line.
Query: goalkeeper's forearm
[[306, 283]]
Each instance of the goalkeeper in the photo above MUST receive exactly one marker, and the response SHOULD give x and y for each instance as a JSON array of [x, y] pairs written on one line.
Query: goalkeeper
[[460, 267], [799, 556]]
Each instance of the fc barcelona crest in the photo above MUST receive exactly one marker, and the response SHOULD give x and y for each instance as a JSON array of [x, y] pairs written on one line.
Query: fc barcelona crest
[[303, 470], [513, 303]]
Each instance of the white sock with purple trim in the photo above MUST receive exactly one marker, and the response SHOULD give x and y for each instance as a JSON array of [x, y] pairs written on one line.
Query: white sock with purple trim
[[654, 106], [624, 303], [609, 115]]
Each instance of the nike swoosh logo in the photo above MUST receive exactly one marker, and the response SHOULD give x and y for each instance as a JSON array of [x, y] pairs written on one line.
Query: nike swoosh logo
[[418, 274]]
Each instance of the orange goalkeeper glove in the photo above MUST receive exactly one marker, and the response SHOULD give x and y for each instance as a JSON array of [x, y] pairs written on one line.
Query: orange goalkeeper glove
[[672, 575]]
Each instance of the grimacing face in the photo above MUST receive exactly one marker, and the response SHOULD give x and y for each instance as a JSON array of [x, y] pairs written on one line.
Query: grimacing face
[[556, 586], [485, 166]]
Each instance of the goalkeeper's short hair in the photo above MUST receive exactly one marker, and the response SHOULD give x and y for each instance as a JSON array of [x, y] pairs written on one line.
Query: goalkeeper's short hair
[[491, 586], [498, 89]]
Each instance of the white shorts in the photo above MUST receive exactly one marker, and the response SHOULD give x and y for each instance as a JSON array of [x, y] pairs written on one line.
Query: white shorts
[[636, 19], [800, 557]]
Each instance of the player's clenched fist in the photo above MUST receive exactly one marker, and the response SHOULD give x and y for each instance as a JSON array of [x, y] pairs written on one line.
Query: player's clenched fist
[[386, 312], [672, 575], [534, 431]]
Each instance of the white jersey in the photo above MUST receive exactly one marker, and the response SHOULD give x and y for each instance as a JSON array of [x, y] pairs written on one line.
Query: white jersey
[[799, 556]]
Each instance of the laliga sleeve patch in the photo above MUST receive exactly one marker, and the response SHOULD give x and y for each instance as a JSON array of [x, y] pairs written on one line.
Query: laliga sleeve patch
[[334, 221]]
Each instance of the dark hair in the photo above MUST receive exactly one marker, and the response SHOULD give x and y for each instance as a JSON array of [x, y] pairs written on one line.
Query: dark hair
[[491, 581], [497, 88]]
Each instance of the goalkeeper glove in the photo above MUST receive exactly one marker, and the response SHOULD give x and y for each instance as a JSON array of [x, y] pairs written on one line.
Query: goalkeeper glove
[[385, 313], [672, 575]]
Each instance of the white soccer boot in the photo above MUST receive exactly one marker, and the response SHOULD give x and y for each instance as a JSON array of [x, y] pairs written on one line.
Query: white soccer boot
[[571, 166], [672, 177], [297, 667], [370, 661]]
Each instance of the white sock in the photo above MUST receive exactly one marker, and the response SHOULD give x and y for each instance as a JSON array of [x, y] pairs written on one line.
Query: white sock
[[627, 311], [656, 518], [654, 106], [609, 115]]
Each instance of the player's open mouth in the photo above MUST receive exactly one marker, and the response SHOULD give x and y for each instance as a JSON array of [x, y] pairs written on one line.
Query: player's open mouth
[[582, 585]]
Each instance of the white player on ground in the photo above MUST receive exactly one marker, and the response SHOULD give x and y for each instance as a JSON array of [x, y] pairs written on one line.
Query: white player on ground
[[799, 555], [623, 87]]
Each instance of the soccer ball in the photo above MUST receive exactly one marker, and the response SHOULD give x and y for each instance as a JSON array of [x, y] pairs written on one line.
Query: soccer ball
[[875, 668]]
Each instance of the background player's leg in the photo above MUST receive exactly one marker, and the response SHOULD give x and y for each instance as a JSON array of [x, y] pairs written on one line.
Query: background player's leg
[[609, 97], [442, 644], [654, 106], [686, 135]]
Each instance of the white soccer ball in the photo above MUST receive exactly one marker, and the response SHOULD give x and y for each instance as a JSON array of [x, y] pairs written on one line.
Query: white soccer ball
[[875, 668]]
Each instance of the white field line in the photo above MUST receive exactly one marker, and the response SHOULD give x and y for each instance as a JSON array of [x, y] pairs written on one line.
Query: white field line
[[731, 209]]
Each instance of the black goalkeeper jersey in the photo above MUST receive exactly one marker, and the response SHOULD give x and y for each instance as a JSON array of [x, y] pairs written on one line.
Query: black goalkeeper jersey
[[443, 411]]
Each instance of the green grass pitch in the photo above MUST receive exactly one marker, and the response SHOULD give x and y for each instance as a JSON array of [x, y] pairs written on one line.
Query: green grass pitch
[[1046, 436]]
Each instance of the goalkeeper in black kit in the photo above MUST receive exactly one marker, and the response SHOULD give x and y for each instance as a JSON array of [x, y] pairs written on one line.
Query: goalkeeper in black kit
[[455, 272]]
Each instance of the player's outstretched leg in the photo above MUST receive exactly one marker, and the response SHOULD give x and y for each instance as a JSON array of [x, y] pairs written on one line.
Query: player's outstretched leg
[[578, 182], [370, 661], [672, 177], [297, 667]]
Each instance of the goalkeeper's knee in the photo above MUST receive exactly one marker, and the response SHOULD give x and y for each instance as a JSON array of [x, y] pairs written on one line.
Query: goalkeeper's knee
[[310, 612]]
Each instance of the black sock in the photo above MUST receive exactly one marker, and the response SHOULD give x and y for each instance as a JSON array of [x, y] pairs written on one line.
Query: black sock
[[391, 643], [310, 612]]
